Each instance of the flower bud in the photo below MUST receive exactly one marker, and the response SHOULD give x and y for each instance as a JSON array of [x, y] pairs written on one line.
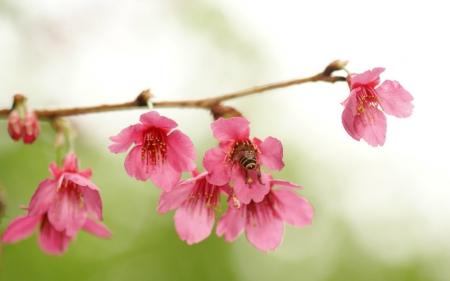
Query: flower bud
[[14, 125], [31, 128]]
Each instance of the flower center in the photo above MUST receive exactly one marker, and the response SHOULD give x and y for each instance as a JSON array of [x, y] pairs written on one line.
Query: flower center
[[206, 196], [154, 147], [367, 103]]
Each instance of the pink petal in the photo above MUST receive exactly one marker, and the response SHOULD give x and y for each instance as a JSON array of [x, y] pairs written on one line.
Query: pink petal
[[126, 138], [153, 119], [271, 154], [96, 228], [86, 173], [174, 198], [52, 241], [252, 190], [194, 225], [180, 152], [55, 170], [349, 114], [165, 177], [213, 161], [373, 132], [93, 202], [370, 78], [235, 128], [232, 223], [67, 213], [136, 167], [394, 99], [80, 180], [42, 198], [20, 228], [265, 236], [283, 183], [70, 163], [294, 209]]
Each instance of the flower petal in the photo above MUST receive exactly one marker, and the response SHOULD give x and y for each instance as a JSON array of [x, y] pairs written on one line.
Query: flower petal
[[180, 152], [283, 183], [80, 180], [294, 209], [349, 114], [125, 138], [93, 202], [251, 190], [369, 78], [372, 126], [271, 154], [136, 167], [174, 198], [193, 225], [232, 223], [70, 163], [42, 197], [67, 213], [52, 241], [97, 228], [165, 177], [394, 99], [20, 228], [265, 236], [213, 161], [235, 128], [153, 119]]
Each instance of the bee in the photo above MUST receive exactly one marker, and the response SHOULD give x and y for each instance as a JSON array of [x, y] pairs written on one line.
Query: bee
[[245, 154]]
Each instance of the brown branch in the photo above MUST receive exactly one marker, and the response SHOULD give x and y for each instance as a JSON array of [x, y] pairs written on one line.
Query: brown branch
[[208, 103]]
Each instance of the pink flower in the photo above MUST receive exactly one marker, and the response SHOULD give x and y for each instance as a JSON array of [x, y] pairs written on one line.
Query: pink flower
[[239, 159], [50, 240], [263, 221], [28, 128], [197, 201], [362, 116], [160, 152], [61, 205]]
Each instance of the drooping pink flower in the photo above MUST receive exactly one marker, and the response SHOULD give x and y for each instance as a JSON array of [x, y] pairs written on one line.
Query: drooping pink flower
[[362, 116], [239, 159], [61, 205], [50, 240], [197, 201], [28, 128], [263, 222], [160, 152]]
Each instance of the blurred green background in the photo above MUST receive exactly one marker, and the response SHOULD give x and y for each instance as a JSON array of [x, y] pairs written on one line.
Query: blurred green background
[[380, 214]]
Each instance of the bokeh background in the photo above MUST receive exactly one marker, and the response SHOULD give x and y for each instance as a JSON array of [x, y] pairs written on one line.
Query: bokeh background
[[380, 213]]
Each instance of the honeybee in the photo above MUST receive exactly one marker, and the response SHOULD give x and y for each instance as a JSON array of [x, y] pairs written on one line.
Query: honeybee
[[245, 154]]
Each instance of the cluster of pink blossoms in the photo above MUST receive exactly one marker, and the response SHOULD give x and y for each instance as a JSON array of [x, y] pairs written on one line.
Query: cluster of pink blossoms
[[257, 203], [60, 206], [161, 154]]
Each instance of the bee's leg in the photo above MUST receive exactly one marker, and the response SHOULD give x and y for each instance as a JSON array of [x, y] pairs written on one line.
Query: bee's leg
[[247, 179], [258, 172]]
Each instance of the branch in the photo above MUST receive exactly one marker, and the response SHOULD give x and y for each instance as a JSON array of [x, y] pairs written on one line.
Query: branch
[[208, 103]]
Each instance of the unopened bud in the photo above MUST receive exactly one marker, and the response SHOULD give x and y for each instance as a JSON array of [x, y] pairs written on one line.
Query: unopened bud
[[31, 127], [224, 111], [14, 125]]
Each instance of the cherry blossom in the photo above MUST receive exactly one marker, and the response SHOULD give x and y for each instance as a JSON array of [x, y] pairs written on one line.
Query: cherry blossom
[[197, 201], [239, 159], [363, 115], [160, 153], [61, 206], [263, 222]]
